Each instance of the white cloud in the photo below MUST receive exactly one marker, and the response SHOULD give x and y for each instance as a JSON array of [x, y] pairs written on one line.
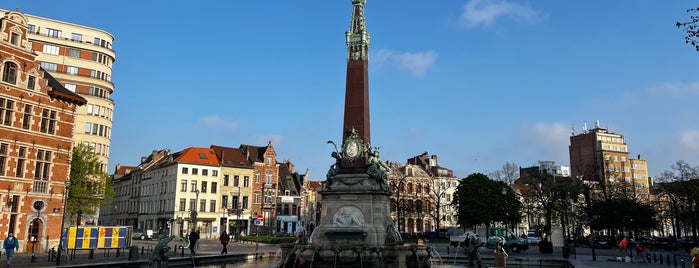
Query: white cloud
[[690, 139], [550, 140], [676, 88], [485, 12], [215, 122], [416, 63]]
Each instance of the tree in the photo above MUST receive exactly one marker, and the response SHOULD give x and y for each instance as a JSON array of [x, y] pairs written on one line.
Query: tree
[[691, 28], [623, 214], [482, 201], [439, 188], [508, 173], [90, 187]]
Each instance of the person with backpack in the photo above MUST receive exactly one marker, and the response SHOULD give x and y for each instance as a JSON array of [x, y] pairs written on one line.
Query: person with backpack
[[10, 245]]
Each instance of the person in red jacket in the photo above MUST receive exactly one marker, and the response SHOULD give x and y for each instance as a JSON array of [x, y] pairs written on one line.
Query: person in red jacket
[[622, 245], [224, 238]]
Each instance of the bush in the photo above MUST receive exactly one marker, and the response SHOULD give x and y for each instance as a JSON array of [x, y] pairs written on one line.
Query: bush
[[269, 240]]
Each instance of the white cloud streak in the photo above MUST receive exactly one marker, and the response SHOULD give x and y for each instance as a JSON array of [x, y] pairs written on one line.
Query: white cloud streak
[[416, 64], [486, 12], [690, 139]]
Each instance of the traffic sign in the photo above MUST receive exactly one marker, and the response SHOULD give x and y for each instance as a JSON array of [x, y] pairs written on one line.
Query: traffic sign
[[259, 217], [258, 222]]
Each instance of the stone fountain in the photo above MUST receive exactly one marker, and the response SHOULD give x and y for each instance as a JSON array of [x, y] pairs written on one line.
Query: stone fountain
[[356, 229]]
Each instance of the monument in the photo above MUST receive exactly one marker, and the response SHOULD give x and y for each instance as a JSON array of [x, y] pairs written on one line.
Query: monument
[[355, 229]]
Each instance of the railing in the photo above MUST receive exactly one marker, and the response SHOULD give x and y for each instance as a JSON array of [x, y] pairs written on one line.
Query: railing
[[40, 186]]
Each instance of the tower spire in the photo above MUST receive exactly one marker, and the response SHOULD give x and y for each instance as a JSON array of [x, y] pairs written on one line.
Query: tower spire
[[357, 83]]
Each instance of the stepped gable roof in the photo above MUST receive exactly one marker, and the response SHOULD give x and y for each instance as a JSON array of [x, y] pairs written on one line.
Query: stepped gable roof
[[197, 155], [155, 159], [288, 180], [58, 91], [231, 157]]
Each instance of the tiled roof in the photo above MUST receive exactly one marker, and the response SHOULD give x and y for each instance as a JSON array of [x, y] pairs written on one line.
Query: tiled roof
[[123, 170], [315, 185], [196, 155], [60, 92], [255, 153], [231, 157]]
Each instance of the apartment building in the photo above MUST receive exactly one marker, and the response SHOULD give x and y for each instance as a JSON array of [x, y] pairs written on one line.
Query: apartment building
[[81, 59], [602, 158], [236, 189], [37, 117]]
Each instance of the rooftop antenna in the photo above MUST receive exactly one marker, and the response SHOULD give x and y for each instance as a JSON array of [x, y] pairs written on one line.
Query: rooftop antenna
[[584, 129], [596, 123]]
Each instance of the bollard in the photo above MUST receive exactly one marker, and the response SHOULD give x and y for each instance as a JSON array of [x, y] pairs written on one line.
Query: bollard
[[133, 253], [500, 259], [674, 259], [655, 258], [182, 252], [682, 262], [660, 257], [92, 254], [668, 259]]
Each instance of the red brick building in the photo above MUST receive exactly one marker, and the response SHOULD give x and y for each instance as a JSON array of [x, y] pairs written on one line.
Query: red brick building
[[37, 116], [264, 183]]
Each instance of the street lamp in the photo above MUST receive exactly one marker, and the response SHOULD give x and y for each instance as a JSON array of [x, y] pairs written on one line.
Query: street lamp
[[60, 239]]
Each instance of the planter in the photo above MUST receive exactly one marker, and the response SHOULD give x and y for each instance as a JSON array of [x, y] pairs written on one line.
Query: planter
[[546, 247]]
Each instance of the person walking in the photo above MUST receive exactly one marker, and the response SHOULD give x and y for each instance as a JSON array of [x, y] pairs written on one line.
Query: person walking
[[10, 245], [224, 238], [193, 238]]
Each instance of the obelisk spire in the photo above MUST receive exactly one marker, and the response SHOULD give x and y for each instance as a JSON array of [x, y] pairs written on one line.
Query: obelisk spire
[[357, 83]]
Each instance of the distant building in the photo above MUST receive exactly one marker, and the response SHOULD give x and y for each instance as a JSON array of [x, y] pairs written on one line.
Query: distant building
[[602, 158], [422, 192], [223, 185], [37, 117]]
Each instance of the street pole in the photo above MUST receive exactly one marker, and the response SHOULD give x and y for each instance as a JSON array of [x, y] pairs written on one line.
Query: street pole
[[60, 238]]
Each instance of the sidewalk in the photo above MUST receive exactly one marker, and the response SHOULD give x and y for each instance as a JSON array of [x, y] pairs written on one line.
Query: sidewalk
[[211, 247]]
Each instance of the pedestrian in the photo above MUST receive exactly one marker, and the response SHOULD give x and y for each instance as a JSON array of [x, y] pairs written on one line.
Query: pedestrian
[[193, 238], [10, 245], [622, 245], [224, 238], [695, 257], [640, 251]]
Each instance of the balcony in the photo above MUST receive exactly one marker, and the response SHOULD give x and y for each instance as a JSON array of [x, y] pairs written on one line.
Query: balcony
[[40, 186]]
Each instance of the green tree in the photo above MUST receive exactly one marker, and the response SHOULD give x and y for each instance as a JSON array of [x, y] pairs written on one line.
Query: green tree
[[481, 201], [691, 28], [625, 215], [90, 187]]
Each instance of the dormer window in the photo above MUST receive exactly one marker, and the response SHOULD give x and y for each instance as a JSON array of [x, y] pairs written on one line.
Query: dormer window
[[9, 73], [14, 38]]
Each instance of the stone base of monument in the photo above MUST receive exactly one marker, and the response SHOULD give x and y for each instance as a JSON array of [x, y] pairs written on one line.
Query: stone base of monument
[[397, 256]]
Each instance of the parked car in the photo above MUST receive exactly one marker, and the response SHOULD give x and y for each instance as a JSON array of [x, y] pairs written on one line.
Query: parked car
[[685, 243], [282, 234], [601, 241], [533, 239], [142, 234], [664, 243]]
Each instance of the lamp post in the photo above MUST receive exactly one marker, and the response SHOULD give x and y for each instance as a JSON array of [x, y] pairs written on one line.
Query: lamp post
[[60, 239]]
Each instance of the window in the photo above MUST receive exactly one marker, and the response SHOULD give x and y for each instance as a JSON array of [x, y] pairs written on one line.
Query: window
[[183, 186], [192, 204], [3, 157], [21, 157], [194, 186], [195, 171], [224, 201], [27, 118], [49, 66], [202, 204], [89, 109], [51, 49], [31, 82], [203, 186], [88, 127], [6, 108], [53, 32], [214, 173], [236, 181], [225, 180], [48, 121], [72, 70], [246, 181], [185, 170], [74, 53], [70, 87], [214, 185], [268, 176], [205, 172], [43, 165], [31, 28], [269, 161], [9, 73], [257, 177], [257, 197], [245, 202], [212, 206], [234, 202], [14, 39], [76, 37]]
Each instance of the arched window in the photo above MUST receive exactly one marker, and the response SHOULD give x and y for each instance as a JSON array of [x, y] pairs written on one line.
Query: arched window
[[9, 73], [410, 187]]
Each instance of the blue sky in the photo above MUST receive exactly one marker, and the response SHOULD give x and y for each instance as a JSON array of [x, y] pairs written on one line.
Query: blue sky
[[476, 82]]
